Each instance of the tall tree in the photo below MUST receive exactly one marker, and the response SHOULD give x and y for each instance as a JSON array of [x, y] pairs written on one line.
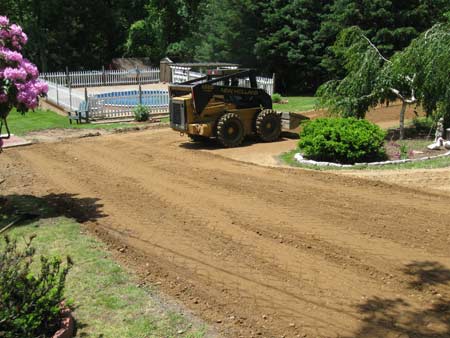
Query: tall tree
[[390, 24], [227, 32], [286, 42]]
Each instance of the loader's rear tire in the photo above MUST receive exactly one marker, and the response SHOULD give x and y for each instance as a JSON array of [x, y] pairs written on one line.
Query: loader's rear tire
[[230, 130], [197, 138], [268, 125]]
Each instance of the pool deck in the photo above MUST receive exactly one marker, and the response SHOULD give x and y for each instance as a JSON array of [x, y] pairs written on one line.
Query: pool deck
[[108, 89]]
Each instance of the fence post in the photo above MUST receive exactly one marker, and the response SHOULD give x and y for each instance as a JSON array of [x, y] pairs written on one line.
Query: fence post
[[103, 76], [67, 76], [70, 96], [86, 100], [273, 83], [140, 94], [57, 93]]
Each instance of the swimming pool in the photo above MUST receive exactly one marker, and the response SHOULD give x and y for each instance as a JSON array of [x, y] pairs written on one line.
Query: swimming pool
[[153, 98]]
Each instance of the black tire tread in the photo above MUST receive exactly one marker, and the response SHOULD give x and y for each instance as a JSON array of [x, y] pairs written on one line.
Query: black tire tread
[[259, 123], [221, 136]]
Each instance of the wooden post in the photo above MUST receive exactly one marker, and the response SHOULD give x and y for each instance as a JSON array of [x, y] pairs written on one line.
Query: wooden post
[[165, 72], [67, 76], [103, 75], [273, 83], [86, 100]]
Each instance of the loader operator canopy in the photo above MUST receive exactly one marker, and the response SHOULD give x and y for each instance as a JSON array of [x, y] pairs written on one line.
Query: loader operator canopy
[[237, 86]]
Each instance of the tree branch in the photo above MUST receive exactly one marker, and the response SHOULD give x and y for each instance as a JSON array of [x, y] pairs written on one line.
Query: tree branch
[[376, 49]]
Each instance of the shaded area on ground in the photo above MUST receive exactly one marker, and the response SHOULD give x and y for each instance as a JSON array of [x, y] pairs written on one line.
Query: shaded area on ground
[[48, 206], [394, 317]]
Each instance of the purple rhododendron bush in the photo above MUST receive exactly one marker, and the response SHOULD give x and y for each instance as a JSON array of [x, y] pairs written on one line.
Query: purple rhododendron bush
[[19, 84]]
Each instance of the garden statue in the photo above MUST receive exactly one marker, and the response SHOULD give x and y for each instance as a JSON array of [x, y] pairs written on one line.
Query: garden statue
[[439, 137], [439, 129]]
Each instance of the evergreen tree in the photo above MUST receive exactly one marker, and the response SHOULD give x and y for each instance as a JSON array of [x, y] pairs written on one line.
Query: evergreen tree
[[286, 44], [390, 24]]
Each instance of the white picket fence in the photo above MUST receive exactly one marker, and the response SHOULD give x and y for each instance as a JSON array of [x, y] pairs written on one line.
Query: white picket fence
[[110, 105], [93, 78], [183, 74], [122, 104], [63, 97]]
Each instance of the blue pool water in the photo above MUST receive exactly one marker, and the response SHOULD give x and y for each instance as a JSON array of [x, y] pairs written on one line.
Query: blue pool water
[[156, 98]]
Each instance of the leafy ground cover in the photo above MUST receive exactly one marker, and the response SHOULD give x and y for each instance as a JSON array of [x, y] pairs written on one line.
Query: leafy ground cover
[[47, 119], [296, 104], [108, 302]]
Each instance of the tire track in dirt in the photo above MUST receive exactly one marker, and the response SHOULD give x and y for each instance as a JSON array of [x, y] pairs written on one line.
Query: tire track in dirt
[[261, 248]]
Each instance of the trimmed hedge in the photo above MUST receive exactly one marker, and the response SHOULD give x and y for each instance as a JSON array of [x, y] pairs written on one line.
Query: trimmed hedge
[[342, 140]]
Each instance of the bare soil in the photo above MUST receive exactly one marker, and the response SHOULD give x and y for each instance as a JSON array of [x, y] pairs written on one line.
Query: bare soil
[[255, 251]]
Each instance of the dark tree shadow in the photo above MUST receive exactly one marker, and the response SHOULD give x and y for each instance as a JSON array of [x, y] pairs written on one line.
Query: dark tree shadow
[[27, 209], [397, 318], [211, 144], [427, 273]]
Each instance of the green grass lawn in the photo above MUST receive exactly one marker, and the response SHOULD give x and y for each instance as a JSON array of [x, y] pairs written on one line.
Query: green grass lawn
[[45, 119], [107, 300], [296, 104]]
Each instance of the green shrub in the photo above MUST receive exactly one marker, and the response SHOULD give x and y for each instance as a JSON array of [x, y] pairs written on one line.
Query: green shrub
[[424, 125], [276, 98], [342, 140], [141, 113], [29, 302]]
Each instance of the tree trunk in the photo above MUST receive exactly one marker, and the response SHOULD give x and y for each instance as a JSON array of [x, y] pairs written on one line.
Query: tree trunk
[[402, 120]]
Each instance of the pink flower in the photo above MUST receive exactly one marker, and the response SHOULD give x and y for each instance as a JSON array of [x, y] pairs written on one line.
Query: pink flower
[[31, 69], [15, 74], [15, 29], [42, 87], [4, 34], [4, 21], [10, 56], [23, 38], [23, 88]]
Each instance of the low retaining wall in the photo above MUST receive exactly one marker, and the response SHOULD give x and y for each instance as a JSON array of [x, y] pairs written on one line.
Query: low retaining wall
[[300, 159]]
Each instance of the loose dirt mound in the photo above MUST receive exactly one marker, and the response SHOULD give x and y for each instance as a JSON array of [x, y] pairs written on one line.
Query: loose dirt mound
[[256, 250]]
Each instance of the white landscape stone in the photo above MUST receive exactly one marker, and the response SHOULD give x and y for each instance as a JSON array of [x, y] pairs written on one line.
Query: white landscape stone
[[300, 159]]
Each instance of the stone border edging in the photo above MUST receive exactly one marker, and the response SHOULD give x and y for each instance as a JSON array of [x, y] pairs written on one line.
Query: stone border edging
[[300, 159]]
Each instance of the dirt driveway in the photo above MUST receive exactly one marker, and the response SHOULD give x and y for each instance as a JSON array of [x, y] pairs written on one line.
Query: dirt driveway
[[256, 251]]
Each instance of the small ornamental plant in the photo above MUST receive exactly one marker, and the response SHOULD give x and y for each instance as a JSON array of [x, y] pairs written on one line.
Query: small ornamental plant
[[141, 113], [31, 294], [19, 84], [342, 140]]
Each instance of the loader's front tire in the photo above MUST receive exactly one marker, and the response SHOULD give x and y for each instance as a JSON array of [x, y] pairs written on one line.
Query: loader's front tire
[[268, 125], [230, 130]]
